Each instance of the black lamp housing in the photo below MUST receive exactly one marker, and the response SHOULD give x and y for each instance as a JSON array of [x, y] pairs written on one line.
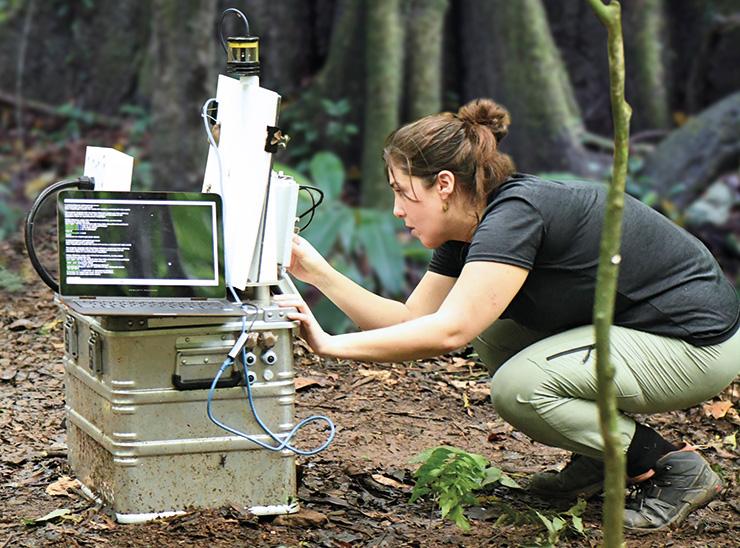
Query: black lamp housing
[[242, 52]]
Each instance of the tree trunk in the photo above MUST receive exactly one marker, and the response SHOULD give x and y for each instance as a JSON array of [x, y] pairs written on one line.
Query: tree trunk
[[510, 54], [341, 72], [341, 77], [424, 49], [644, 22], [289, 46], [709, 75], [581, 40], [384, 65], [183, 78], [87, 53], [699, 73], [694, 155]]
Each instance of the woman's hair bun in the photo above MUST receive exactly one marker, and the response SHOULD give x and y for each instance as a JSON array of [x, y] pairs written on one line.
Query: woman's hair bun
[[488, 113]]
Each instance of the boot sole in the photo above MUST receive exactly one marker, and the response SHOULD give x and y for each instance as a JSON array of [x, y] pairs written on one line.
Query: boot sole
[[707, 496]]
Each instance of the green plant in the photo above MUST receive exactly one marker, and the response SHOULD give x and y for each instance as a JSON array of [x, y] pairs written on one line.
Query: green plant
[[315, 124], [10, 215], [141, 120], [558, 524], [361, 243], [451, 475], [10, 281], [9, 9]]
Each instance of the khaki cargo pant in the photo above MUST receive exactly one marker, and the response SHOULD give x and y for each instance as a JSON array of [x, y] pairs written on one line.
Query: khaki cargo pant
[[545, 386]]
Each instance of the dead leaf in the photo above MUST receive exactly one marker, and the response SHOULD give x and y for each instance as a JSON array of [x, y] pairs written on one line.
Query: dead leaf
[[58, 513], [382, 375], [8, 374], [717, 409], [15, 458], [21, 324], [390, 482], [304, 518], [62, 486], [733, 416], [458, 364], [370, 375], [308, 382], [479, 393]]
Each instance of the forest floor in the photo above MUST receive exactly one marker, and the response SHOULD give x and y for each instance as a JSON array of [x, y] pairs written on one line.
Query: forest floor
[[356, 493]]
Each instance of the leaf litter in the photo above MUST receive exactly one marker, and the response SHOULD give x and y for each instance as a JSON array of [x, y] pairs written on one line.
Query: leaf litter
[[385, 413]]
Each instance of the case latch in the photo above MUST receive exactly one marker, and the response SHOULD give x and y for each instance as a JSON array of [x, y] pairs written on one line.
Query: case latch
[[95, 352], [71, 342]]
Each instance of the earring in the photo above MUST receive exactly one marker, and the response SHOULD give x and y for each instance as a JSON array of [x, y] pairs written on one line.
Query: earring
[[445, 207]]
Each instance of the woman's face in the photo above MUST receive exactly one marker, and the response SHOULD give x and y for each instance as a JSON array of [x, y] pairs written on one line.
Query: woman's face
[[419, 206]]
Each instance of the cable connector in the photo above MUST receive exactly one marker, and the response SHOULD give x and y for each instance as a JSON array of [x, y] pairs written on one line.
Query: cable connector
[[240, 342]]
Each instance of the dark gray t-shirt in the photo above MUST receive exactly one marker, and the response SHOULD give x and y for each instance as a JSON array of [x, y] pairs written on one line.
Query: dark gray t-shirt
[[669, 284]]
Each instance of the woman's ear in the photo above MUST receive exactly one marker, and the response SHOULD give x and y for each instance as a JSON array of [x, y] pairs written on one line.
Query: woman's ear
[[445, 184]]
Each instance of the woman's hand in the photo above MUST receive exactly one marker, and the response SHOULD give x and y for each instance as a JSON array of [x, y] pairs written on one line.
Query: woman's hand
[[306, 263], [311, 331]]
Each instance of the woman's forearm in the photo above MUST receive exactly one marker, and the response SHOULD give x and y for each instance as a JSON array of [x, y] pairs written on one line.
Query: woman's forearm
[[366, 309], [419, 338]]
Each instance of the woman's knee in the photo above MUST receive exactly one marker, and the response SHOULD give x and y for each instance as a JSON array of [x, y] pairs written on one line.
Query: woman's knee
[[512, 388]]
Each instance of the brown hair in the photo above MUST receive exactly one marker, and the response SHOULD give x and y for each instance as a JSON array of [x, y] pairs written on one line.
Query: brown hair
[[465, 143]]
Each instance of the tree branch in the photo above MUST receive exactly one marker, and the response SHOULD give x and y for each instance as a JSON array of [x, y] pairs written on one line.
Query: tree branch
[[606, 280], [91, 118]]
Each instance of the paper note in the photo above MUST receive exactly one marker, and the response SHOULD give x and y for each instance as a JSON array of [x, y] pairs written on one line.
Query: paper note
[[111, 168]]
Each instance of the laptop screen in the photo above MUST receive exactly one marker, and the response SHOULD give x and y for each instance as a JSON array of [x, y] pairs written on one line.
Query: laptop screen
[[140, 244]]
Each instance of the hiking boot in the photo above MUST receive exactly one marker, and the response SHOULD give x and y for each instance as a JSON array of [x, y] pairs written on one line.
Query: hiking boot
[[581, 477], [683, 482]]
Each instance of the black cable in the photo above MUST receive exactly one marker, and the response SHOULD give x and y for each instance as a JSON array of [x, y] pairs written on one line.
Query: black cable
[[82, 183], [314, 204], [239, 14]]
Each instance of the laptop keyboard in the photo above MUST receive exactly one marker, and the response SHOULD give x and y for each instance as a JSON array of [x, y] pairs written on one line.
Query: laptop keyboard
[[163, 305]]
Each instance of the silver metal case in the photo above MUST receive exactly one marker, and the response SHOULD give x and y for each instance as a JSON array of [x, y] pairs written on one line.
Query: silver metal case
[[137, 429]]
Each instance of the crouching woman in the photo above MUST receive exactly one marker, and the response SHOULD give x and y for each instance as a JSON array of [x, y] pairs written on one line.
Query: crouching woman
[[513, 272]]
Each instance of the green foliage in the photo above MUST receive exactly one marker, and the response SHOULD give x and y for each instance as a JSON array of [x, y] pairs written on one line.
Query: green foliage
[[143, 169], [318, 124], [360, 243], [76, 117], [9, 8], [141, 121], [558, 524], [10, 215], [10, 281], [451, 476]]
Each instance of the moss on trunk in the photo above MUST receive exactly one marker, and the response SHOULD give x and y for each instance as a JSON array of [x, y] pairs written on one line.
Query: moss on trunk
[[692, 157], [646, 82], [510, 55], [183, 78], [384, 65], [424, 50]]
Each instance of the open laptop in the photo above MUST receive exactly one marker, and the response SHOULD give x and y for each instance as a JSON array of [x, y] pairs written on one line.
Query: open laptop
[[142, 254]]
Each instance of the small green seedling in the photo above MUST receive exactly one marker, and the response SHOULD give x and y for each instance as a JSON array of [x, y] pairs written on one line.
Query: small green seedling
[[451, 476], [557, 524]]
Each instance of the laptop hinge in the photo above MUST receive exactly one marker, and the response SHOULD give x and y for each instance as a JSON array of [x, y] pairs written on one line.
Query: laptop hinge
[[198, 298], [87, 298]]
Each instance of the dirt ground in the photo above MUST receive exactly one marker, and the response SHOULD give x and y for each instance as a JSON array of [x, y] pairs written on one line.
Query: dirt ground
[[353, 494]]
